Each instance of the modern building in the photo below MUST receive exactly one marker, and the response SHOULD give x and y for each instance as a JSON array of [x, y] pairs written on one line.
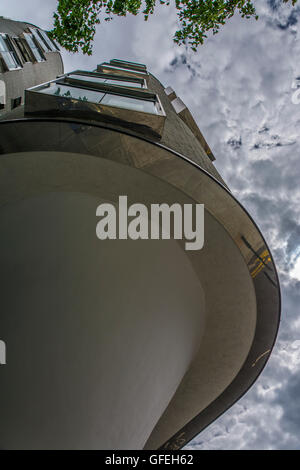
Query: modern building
[[121, 344], [27, 57]]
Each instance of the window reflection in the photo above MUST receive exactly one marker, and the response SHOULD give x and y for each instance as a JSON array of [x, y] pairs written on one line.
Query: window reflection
[[34, 48], [72, 92], [51, 44], [8, 53], [108, 81], [39, 40], [123, 83], [106, 68], [129, 103], [128, 64], [117, 98], [87, 78]]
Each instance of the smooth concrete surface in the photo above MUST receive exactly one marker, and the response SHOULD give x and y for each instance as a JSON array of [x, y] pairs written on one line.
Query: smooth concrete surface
[[229, 332], [219, 267], [99, 333]]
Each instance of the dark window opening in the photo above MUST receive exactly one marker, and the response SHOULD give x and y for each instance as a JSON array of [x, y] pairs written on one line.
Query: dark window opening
[[15, 102], [22, 49]]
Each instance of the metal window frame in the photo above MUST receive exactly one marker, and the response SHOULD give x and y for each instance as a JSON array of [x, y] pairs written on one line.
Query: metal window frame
[[106, 76], [25, 34], [47, 40], [40, 104], [107, 68], [39, 38], [18, 44], [106, 89], [143, 95], [130, 92], [129, 65], [13, 53], [53, 42]]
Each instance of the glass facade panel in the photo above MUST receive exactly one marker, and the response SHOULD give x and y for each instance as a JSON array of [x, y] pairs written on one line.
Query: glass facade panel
[[123, 83], [73, 92], [39, 40], [46, 46], [21, 47], [9, 60], [3, 46], [48, 41], [129, 103], [87, 78], [8, 53], [29, 39], [128, 64], [108, 81], [56, 48], [123, 69]]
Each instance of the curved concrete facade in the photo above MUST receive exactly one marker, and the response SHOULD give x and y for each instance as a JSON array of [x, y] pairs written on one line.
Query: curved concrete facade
[[78, 313], [150, 342], [230, 302]]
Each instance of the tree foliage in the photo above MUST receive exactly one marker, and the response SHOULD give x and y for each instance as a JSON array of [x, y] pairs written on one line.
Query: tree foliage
[[75, 21]]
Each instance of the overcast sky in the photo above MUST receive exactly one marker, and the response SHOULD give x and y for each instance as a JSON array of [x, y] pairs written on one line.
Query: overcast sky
[[240, 87]]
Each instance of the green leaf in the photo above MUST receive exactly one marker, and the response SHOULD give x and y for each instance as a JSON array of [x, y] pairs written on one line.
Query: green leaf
[[75, 21]]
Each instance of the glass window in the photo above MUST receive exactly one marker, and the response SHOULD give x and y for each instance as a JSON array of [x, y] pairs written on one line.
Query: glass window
[[87, 78], [34, 47], [127, 64], [129, 103], [123, 83], [123, 69], [73, 92], [108, 81], [21, 47], [95, 96], [41, 42], [50, 44], [8, 53]]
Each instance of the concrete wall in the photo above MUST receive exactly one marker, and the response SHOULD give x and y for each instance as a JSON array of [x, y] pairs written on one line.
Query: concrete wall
[[178, 136], [99, 333], [31, 74]]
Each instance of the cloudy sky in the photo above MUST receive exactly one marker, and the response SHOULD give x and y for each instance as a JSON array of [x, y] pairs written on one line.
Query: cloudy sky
[[241, 86]]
